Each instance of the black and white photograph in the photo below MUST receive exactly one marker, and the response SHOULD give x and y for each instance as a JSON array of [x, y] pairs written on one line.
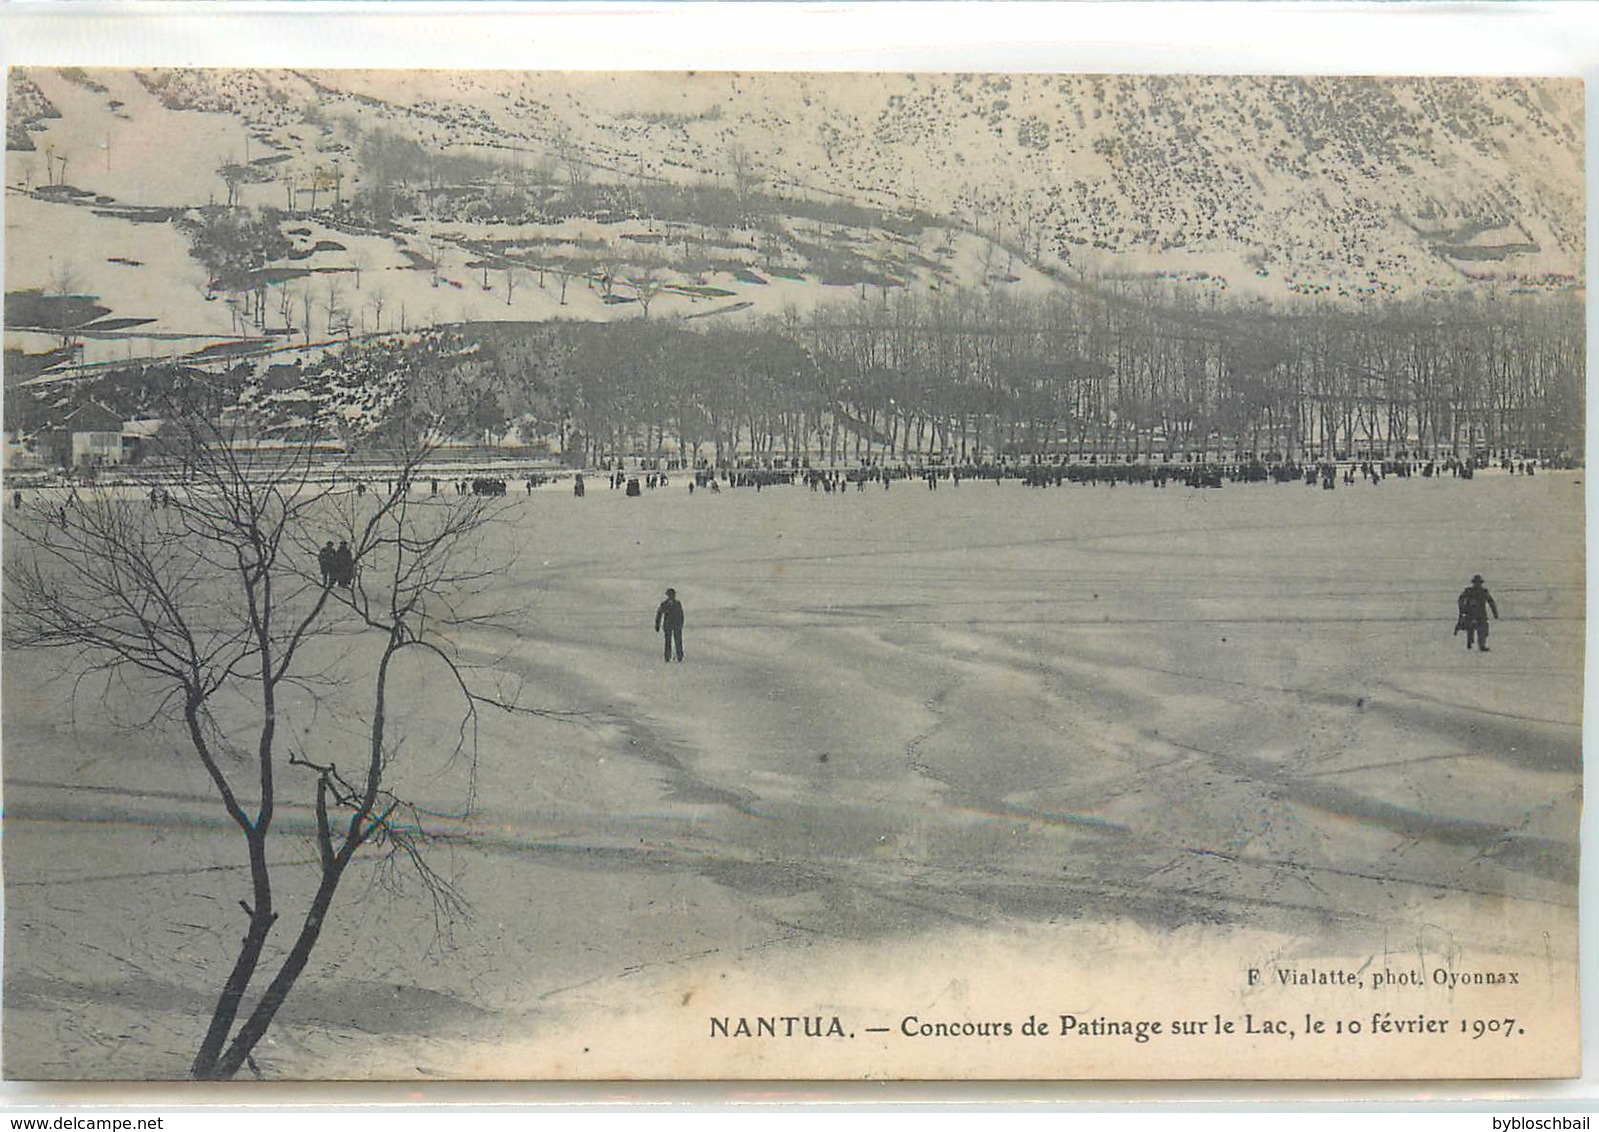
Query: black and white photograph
[[791, 575]]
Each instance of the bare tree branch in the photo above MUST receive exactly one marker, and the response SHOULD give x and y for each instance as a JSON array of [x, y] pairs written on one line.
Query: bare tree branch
[[200, 607]]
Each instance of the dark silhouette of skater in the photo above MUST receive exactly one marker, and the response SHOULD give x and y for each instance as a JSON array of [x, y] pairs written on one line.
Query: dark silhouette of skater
[[343, 565], [327, 558], [669, 614], [1474, 603]]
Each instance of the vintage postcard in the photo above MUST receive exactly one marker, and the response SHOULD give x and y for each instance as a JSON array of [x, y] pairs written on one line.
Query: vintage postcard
[[555, 575]]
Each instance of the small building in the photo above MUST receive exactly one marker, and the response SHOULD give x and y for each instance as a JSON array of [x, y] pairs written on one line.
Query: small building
[[96, 433], [87, 437]]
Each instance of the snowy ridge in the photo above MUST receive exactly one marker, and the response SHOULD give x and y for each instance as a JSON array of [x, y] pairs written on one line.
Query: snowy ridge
[[1277, 185]]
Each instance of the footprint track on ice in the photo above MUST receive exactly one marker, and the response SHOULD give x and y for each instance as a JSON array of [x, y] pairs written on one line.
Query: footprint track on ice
[[934, 704]]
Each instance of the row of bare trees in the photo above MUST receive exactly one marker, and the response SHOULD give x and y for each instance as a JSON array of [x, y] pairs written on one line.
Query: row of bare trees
[[1134, 374], [1119, 373]]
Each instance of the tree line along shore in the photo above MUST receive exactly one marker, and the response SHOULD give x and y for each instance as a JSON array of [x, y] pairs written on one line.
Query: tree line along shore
[[1111, 375]]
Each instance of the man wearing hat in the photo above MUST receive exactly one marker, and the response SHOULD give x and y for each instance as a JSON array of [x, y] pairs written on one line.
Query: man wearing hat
[[1475, 602], [670, 614]]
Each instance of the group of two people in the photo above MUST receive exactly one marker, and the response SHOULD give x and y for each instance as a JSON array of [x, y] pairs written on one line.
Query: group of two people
[[337, 563]]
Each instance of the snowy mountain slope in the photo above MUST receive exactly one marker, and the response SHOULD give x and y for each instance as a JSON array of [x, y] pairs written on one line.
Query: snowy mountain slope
[[419, 197], [1326, 174]]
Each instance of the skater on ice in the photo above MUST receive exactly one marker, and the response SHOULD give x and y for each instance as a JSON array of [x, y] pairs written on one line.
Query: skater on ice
[[1475, 602], [669, 614]]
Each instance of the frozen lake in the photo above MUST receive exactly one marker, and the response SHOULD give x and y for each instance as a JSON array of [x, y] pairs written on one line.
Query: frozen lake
[[907, 720]]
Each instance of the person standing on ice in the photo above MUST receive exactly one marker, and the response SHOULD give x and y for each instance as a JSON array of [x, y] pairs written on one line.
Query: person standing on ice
[[327, 558], [1475, 602], [344, 565], [669, 615]]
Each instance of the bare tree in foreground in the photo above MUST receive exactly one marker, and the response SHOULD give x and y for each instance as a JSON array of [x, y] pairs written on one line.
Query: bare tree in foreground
[[214, 607]]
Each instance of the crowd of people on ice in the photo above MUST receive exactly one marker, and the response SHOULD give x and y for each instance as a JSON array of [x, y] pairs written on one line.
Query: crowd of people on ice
[[1057, 473], [1035, 472]]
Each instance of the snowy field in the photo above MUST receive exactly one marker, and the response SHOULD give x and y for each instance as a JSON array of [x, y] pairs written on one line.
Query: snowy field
[[922, 744]]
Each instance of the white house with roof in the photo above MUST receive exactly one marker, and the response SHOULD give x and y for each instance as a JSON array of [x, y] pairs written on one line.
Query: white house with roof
[[91, 436], [95, 435]]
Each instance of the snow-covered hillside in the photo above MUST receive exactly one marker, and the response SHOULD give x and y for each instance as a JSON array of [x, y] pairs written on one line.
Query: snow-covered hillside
[[414, 198], [109, 148]]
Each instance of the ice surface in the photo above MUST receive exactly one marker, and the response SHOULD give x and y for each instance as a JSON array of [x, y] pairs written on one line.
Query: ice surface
[[907, 717]]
